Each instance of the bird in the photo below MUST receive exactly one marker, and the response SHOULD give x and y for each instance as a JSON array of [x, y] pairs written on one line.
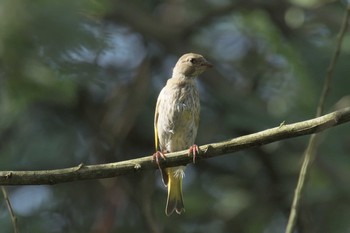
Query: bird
[[176, 123]]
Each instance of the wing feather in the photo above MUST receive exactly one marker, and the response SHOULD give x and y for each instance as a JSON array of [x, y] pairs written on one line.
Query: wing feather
[[156, 114]]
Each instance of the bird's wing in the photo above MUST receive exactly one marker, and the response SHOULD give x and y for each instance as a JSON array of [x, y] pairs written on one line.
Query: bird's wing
[[156, 141], [156, 114], [196, 120]]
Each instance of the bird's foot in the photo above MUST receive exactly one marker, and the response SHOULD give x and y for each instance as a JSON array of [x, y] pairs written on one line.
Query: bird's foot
[[194, 150], [157, 156]]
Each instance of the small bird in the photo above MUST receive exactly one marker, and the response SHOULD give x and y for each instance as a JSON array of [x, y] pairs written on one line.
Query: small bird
[[176, 122]]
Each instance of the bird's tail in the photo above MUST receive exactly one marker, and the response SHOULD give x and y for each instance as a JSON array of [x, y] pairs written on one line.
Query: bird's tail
[[175, 199]]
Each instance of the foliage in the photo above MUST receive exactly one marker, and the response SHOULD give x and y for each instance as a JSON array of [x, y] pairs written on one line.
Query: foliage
[[79, 81]]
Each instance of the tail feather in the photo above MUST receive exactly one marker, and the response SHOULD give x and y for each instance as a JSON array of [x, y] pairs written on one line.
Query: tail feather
[[175, 198]]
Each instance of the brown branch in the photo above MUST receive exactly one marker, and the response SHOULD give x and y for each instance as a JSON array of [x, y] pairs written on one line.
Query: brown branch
[[86, 172], [9, 207], [312, 144], [333, 62]]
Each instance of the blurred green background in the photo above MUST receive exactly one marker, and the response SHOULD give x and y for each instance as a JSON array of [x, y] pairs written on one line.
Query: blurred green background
[[79, 81]]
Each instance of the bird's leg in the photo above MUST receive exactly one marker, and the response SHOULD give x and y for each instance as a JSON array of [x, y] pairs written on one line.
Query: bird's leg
[[156, 157], [194, 149]]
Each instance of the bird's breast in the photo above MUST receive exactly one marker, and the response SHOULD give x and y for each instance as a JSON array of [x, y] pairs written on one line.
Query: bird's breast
[[178, 117]]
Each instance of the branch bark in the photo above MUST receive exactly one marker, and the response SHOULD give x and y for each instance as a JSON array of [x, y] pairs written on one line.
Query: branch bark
[[87, 172]]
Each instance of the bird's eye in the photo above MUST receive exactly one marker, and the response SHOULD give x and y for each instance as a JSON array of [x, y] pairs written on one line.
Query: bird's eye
[[192, 60]]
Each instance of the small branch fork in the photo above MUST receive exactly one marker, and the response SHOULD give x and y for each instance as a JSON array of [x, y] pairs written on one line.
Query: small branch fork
[[312, 144]]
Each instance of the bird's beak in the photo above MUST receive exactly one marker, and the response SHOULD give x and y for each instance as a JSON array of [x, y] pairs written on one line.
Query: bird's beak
[[207, 64]]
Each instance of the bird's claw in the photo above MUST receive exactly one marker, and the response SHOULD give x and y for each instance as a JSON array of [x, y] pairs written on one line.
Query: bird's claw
[[194, 150], [156, 157]]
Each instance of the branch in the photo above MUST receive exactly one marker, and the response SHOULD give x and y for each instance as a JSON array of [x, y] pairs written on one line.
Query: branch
[[87, 172], [312, 144], [9, 207]]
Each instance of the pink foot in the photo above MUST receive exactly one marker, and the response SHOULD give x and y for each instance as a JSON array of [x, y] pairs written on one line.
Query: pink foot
[[194, 149], [156, 157]]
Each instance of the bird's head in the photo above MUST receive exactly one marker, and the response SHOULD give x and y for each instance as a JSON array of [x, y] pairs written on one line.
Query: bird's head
[[191, 65]]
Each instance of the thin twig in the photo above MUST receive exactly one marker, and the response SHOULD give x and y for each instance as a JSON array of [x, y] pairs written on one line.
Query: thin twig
[[85, 172], [9, 207], [311, 148], [331, 67]]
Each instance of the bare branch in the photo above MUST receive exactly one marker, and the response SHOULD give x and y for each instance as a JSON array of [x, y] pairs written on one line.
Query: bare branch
[[9, 207], [312, 144], [86, 172]]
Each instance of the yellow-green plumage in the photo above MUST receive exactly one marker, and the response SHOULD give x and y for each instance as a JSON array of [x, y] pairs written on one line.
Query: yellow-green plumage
[[176, 121]]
